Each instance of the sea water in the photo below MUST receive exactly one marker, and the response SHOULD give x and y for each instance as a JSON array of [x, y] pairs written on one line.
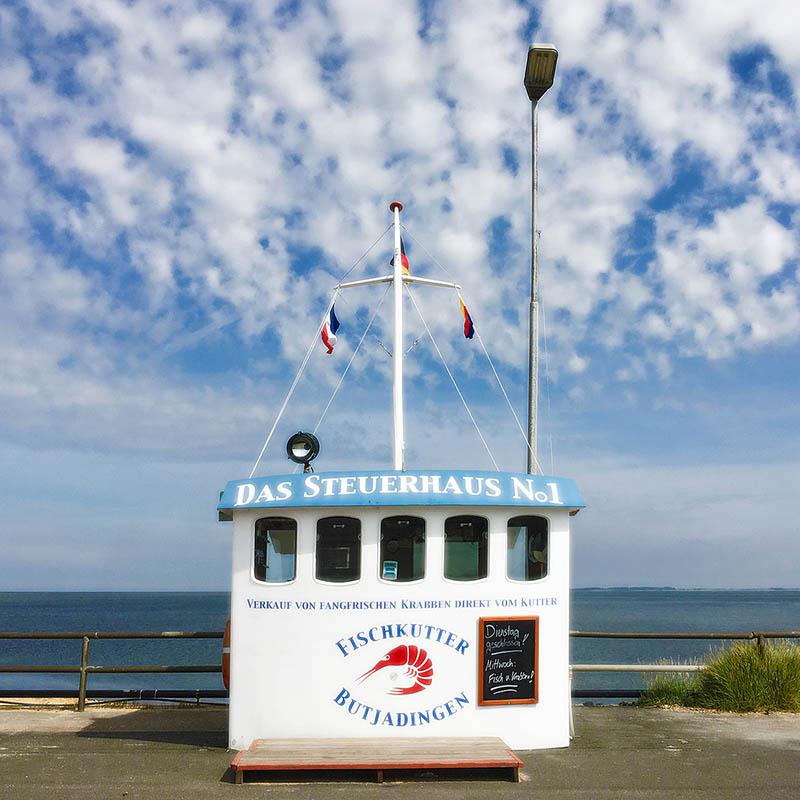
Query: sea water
[[621, 609], [669, 610], [113, 611]]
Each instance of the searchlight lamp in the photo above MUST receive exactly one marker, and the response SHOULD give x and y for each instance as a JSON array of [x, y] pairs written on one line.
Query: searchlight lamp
[[303, 448]]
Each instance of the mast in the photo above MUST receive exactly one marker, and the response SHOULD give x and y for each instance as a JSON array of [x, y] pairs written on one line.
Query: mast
[[398, 278], [397, 349]]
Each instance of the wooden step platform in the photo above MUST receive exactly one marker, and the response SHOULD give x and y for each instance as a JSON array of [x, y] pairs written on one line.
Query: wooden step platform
[[376, 755]]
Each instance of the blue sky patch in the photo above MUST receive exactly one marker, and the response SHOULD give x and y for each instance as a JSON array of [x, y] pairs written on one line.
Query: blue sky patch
[[783, 212], [756, 69], [636, 245], [688, 179], [511, 159]]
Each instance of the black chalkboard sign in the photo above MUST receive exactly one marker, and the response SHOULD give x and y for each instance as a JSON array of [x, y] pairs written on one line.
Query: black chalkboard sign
[[509, 660]]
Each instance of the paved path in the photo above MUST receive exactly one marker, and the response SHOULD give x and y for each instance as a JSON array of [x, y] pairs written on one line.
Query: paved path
[[618, 752]]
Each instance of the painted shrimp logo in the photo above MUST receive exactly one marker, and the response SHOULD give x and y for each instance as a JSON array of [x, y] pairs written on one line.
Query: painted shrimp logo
[[414, 668]]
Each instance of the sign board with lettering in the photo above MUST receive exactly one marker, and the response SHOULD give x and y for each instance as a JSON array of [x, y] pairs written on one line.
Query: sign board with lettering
[[409, 488], [508, 649]]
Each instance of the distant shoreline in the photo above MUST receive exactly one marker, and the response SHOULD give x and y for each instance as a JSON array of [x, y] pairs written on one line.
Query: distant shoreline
[[682, 589], [574, 588]]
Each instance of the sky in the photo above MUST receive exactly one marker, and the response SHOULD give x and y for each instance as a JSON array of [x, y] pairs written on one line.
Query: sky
[[183, 184]]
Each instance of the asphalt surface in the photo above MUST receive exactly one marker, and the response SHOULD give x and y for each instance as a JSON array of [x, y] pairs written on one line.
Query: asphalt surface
[[618, 752]]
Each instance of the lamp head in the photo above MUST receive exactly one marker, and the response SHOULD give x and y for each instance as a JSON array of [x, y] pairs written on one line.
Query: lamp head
[[540, 70]]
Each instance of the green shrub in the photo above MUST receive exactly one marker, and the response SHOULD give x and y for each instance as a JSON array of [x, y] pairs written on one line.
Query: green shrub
[[745, 677]]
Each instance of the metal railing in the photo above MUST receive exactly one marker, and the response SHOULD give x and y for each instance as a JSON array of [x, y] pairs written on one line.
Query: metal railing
[[85, 669], [758, 637]]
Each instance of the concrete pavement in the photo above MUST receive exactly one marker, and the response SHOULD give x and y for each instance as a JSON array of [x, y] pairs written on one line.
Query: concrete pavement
[[618, 752]]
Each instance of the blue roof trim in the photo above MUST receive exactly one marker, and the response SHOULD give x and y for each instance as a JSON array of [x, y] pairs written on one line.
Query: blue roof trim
[[411, 488]]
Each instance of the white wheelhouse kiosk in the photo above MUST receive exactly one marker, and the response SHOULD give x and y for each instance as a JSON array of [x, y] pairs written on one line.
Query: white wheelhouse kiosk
[[400, 603]]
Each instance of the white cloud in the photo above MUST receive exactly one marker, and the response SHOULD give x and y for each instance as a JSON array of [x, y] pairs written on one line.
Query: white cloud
[[778, 176], [240, 183], [577, 364], [712, 280]]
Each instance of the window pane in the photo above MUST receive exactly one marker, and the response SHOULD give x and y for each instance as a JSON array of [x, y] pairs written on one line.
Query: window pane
[[275, 550], [466, 545], [402, 549], [527, 548], [338, 549]]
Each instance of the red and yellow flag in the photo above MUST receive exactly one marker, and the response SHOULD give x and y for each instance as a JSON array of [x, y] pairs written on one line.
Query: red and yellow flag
[[403, 259], [469, 328]]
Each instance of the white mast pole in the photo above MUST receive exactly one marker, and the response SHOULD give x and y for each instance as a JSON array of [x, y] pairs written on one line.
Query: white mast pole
[[397, 350]]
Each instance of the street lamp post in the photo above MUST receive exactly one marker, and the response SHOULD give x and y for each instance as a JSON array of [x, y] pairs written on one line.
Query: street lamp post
[[540, 71]]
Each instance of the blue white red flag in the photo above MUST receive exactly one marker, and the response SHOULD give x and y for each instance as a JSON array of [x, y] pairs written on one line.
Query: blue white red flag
[[329, 331]]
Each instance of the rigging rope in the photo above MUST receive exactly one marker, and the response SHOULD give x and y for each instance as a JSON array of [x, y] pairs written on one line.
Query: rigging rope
[[413, 345], [508, 400], [366, 252], [352, 357], [450, 374], [486, 353], [361, 319], [295, 382], [430, 256], [310, 350]]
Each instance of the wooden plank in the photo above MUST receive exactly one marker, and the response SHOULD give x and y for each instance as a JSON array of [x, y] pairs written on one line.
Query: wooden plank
[[371, 752], [376, 754]]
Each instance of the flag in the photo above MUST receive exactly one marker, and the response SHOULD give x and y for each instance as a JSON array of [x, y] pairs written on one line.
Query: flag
[[329, 331], [469, 328], [403, 259]]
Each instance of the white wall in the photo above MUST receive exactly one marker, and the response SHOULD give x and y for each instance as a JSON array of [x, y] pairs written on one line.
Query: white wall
[[289, 678]]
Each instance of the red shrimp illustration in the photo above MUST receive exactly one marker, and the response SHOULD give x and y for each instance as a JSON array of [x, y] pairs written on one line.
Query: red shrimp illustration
[[417, 665]]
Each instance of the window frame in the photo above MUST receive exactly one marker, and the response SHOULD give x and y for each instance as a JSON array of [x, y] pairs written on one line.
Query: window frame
[[424, 549], [254, 550], [547, 570], [487, 535], [360, 549]]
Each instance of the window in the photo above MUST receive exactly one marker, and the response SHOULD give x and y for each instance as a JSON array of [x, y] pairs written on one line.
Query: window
[[275, 550], [338, 549], [527, 548], [402, 549], [466, 546]]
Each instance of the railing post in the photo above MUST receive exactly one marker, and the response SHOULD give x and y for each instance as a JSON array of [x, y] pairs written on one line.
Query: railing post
[[84, 665]]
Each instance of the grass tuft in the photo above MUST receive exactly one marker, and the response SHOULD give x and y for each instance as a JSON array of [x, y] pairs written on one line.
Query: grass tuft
[[668, 688], [743, 677], [750, 678]]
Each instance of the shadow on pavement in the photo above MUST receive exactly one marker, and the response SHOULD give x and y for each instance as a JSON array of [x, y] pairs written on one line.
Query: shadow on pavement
[[191, 727], [368, 776]]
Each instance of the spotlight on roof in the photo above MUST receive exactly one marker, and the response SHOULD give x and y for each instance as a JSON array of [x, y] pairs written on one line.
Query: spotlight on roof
[[303, 448]]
